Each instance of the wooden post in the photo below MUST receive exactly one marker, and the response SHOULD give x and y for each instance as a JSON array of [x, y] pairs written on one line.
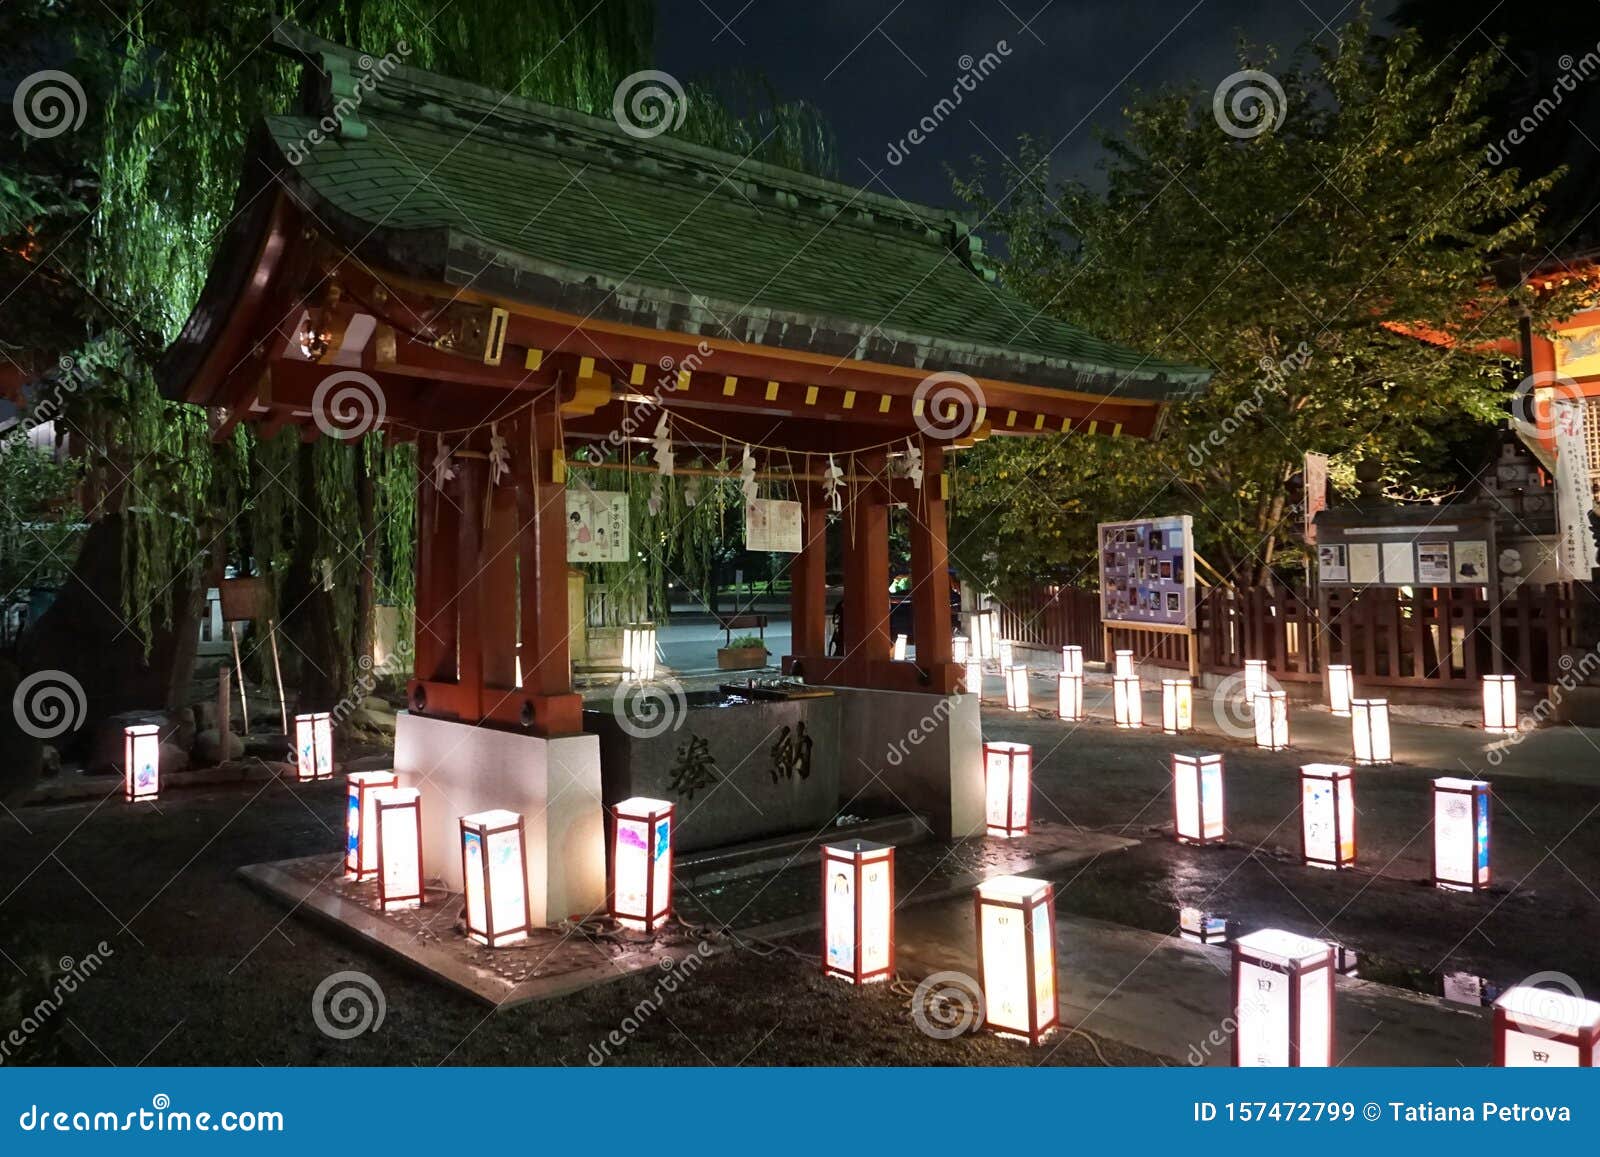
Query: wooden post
[[472, 475], [244, 702], [497, 593], [808, 609], [930, 576], [224, 708], [866, 569]]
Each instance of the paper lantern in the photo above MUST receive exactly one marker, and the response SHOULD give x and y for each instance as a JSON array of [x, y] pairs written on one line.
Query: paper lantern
[[1006, 654], [641, 863], [1545, 1028], [361, 823], [398, 812], [1016, 920], [1177, 706], [1122, 664], [858, 911], [974, 679], [1500, 704], [959, 649], [1255, 679], [1327, 815], [899, 648], [985, 634], [1016, 688], [1197, 807], [1341, 688], [1369, 727], [1007, 782], [1271, 711], [639, 651], [1283, 1001], [1202, 927], [494, 871], [1069, 697], [141, 762], [1460, 834], [1127, 705], [1072, 660], [313, 745]]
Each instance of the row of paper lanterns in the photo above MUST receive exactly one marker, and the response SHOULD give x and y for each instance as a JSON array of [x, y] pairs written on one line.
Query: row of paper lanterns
[[141, 755]]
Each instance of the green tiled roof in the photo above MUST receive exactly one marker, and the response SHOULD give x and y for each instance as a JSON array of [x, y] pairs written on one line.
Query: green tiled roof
[[558, 209]]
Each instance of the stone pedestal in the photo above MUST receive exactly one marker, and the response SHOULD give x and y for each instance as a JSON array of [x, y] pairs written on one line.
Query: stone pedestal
[[462, 768], [913, 750]]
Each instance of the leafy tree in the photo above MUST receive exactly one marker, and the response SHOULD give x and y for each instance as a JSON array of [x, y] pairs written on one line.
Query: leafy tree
[[1327, 259]]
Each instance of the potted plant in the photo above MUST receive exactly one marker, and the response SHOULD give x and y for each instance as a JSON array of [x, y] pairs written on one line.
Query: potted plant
[[741, 652]]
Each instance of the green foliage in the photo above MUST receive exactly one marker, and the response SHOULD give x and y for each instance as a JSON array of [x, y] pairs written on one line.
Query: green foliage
[[1300, 265], [38, 533], [742, 642]]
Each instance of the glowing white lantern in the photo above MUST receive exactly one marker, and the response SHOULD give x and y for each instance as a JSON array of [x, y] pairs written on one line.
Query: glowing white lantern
[[641, 863], [141, 762], [639, 651], [1006, 655], [1341, 688], [985, 634], [959, 649], [858, 911], [1016, 920], [1255, 679], [1072, 660], [1369, 727], [899, 648], [1197, 807], [1500, 704], [1460, 834], [1069, 697], [1016, 688], [1327, 815], [1127, 705], [1271, 710], [1007, 780], [494, 871], [1177, 706], [361, 823], [1202, 927], [1545, 1028], [1122, 664], [974, 680], [1283, 1001], [313, 745], [398, 811]]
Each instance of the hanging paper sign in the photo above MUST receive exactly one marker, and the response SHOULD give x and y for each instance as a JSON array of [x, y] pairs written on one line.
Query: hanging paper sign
[[597, 526], [772, 525]]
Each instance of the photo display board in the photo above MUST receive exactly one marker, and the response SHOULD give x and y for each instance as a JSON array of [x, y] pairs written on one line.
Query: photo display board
[[1432, 546], [1147, 571]]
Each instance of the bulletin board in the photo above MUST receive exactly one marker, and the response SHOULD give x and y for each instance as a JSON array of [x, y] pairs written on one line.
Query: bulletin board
[[1431, 546], [1147, 572]]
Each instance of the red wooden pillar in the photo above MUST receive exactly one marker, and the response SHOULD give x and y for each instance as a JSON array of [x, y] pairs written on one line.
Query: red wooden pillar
[[930, 576], [808, 609], [866, 570], [471, 474], [438, 577], [497, 591]]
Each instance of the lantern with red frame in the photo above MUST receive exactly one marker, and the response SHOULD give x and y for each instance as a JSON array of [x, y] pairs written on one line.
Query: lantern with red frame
[[1016, 920], [398, 812], [974, 679], [1271, 710], [1177, 706], [1341, 688], [1327, 815], [1072, 660], [960, 650], [1283, 1001], [141, 762], [985, 633], [1016, 677], [1006, 655], [1007, 780], [313, 746], [641, 863], [1369, 730], [361, 823], [1127, 701], [1069, 697], [1460, 834], [1122, 664], [1255, 679], [1500, 704], [1201, 927], [1545, 1028], [1197, 807], [858, 911], [494, 873]]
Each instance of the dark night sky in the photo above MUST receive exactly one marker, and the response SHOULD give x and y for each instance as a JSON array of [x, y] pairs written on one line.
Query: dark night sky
[[876, 67]]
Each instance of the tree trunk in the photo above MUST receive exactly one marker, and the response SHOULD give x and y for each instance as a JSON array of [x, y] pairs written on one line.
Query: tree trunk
[[366, 519]]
